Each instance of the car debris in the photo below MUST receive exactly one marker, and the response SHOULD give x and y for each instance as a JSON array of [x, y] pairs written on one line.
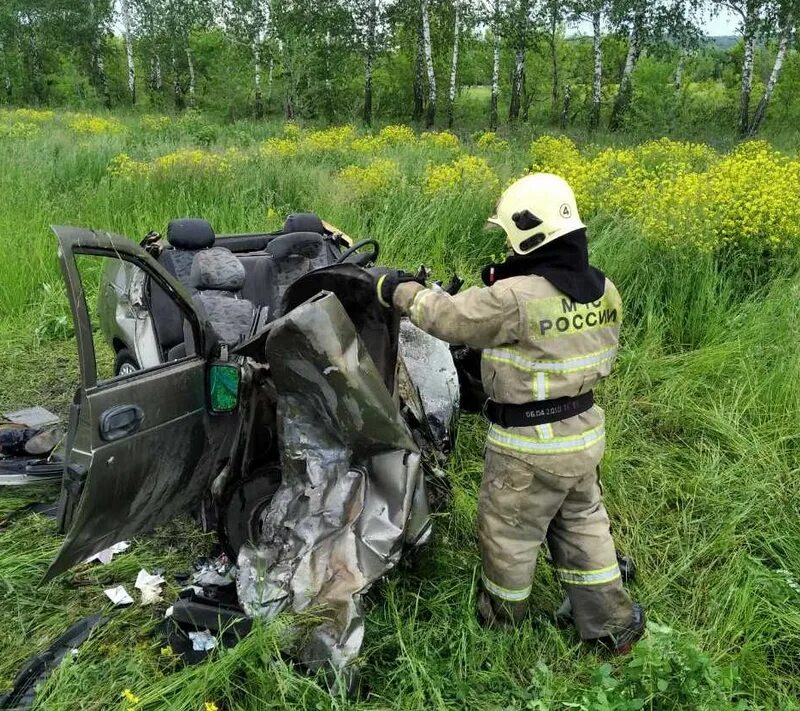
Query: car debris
[[149, 584], [37, 669], [27, 439], [202, 641], [119, 596], [105, 556], [264, 365]]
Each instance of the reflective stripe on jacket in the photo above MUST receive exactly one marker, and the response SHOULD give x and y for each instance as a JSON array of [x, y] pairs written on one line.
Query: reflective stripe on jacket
[[537, 344]]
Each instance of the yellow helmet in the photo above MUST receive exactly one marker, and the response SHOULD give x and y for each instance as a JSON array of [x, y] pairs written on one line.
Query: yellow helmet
[[535, 210]]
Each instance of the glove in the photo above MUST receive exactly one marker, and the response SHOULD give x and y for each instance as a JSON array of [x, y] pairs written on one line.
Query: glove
[[456, 282], [388, 282]]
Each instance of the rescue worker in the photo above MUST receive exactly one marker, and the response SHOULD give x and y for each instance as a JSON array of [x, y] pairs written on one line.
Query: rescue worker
[[548, 325]]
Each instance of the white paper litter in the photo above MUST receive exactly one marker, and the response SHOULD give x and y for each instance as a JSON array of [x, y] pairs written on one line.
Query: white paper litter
[[150, 586], [119, 596], [104, 557], [169, 611], [209, 575], [202, 641]]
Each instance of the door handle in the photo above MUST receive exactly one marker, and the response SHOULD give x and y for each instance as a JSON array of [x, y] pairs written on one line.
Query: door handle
[[120, 421]]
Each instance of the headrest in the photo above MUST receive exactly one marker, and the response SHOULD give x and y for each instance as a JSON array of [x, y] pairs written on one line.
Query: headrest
[[217, 269], [303, 244], [304, 222], [190, 233]]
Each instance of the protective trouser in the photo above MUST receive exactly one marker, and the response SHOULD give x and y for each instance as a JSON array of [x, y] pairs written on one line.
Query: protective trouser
[[521, 506]]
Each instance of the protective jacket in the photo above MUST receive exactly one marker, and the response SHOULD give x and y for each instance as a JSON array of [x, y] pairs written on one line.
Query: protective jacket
[[540, 482], [538, 344]]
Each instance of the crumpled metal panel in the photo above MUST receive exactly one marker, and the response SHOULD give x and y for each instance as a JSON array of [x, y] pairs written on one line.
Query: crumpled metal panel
[[352, 493], [433, 375]]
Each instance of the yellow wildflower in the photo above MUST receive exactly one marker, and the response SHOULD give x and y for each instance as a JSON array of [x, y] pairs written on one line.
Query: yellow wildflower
[[278, 148], [291, 130], [396, 135], [329, 139], [440, 139], [376, 177], [130, 697], [192, 161], [488, 140], [88, 125], [210, 706], [466, 173], [155, 124], [19, 129], [124, 167], [33, 115]]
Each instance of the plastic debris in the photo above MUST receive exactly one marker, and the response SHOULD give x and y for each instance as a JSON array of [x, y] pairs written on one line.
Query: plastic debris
[[104, 557], [217, 572], [202, 641], [32, 417], [150, 586], [34, 671], [119, 596]]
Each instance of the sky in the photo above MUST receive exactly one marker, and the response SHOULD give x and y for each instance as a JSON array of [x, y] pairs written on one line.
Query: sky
[[723, 24]]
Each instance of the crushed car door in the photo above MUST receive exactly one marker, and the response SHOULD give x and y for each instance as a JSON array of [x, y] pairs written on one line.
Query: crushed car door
[[142, 445]]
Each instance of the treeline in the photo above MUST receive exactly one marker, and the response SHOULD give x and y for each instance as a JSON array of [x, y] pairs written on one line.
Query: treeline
[[433, 61]]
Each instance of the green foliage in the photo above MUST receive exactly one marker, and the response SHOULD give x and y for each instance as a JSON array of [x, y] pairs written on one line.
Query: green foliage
[[699, 475]]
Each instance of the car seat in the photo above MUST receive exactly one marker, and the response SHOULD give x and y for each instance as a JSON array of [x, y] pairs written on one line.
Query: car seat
[[218, 277], [187, 236]]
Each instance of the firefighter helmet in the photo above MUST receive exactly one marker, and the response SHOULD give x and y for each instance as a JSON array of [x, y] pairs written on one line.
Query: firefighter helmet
[[535, 210]]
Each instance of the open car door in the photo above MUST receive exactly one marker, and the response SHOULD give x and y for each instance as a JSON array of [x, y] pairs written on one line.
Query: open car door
[[142, 445]]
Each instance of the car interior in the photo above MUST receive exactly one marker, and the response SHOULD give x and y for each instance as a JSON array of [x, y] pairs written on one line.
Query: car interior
[[238, 281]]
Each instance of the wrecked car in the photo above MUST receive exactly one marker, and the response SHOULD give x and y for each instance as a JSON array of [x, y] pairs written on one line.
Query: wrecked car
[[255, 380]]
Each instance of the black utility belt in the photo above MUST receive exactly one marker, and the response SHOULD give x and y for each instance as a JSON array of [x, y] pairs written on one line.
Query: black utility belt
[[539, 412]]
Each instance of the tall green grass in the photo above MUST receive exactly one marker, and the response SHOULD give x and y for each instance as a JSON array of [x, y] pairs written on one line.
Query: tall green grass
[[700, 476]]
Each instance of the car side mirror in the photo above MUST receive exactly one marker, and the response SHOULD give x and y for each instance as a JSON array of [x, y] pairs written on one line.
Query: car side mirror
[[224, 380]]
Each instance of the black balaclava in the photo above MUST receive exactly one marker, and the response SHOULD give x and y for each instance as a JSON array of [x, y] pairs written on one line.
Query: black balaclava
[[564, 262]]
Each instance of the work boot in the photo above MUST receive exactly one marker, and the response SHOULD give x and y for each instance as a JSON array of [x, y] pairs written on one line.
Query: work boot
[[624, 638], [500, 614]]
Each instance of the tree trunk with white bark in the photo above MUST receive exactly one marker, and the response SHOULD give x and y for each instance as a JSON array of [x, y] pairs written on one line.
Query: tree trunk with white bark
[[177, 90], [679, 69], [451, 96], [259, 99], [7, 86], [597, 78], [746, 86], [190, 65], [156, 79], [126, 31], [419, 75], [372, 22], [269, 78], [518, 74], [567, 104], [430, 114], [625, 91], [495, 68], [780, 58]]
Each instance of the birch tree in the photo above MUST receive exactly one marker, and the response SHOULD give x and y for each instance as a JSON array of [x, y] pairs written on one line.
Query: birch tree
[[430, 112], [127, 33], [519, 32], [594, 11], [368, 21], [636, 30], [495, 95], [247, 22], [451, 94], [784, 42]]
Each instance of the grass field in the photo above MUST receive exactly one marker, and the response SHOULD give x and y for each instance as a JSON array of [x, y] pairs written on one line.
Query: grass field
[[703, 413]]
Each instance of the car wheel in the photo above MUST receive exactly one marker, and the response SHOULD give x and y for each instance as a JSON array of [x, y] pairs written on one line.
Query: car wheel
[[240, 512], [125, 363]]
